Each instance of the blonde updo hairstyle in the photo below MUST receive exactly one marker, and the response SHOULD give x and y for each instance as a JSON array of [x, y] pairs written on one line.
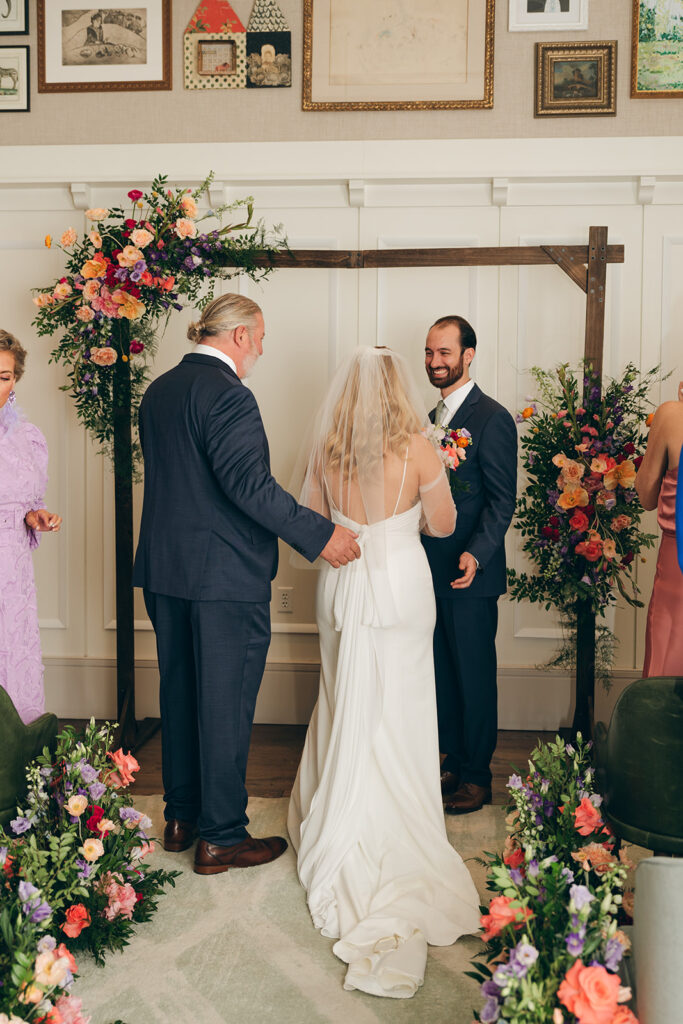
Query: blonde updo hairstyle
[[224, 314], [8, 343]]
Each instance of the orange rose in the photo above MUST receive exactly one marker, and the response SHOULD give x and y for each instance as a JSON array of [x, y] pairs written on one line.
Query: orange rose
[[90, 290], [125, 765], [602, 464], [590, 993], [573, 497], [185, 228], [97, 213], [95, 267], [131, 308], [103, 356], [624, 474], [189, 206], [44, 299], [77, 918], [594, 856], [587, 817], [140, 237], [85, 314], [129, 256], [502, 912]]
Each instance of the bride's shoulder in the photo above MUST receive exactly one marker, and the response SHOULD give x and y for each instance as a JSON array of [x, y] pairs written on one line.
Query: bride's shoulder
[[421, 445]]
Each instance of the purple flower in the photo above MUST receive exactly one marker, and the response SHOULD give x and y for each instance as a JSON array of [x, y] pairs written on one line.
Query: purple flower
[[88, 773], [26, 890], [614, 951], [542, 893], [40, 912], [3, 855], [553, 497], [96, 790], [490, 989], [574, 944], [522, 957], [548, 808], [516, 876], [20, 825], [514, 782], [580, 896], [125, 813], [121, 274], [567, 874], [490, 1012], [47, 944], [85, 869], [533, 868]]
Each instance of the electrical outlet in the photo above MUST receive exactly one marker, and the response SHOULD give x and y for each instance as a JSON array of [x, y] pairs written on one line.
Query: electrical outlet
[[286, 604]]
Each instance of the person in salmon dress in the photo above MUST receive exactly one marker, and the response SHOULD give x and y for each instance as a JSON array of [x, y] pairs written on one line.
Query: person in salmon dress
[[657, 483]]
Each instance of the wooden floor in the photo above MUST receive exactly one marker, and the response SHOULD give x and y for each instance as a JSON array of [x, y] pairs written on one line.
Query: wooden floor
[[276, 750]]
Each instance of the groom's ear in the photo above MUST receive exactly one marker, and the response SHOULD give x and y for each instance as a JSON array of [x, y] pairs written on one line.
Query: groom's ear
[[469, 355]]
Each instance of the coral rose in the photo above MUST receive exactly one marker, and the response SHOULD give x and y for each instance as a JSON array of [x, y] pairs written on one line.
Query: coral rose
[[624, 475], [125, 766], [85, 314], [590, 993], [620, 522], [76, 804], [185, 228], [502, 912], [624, 1016], [189, 206], [103, 356], [97, 213], [579, 521], [129, 256], [68, 238], [591, 550], [594, 856], [90, 290], [77, 918], [602, 464], [141, 238], [62, 290], [573, 497], [92, 849], [587, 818], [65, 954]]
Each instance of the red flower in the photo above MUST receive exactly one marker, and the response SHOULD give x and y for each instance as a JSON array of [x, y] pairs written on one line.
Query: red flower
[[135, 194], [554, 520], [550, 532], [579, 521], [136, 346], [129, 223], [514, 858], [629, 448], [628, 558], [77, 918], [637, 461], [139, 897], [590, 549], [95, 817]]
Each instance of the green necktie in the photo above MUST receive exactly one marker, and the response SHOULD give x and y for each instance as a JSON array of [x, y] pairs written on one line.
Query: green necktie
[[441, 414]]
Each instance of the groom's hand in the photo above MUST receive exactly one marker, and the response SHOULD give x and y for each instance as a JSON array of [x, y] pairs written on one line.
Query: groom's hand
[[468, 565], [341, 547]]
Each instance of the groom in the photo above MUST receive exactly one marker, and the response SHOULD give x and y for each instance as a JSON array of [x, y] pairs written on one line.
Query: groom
[[468, 568], [207, 553]]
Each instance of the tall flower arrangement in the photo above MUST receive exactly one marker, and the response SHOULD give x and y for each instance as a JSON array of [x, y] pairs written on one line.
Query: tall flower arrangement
[[133, 267], [553, 944], [579, 513]]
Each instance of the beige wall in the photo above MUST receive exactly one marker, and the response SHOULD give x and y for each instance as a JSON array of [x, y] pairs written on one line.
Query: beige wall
[[276, 115]]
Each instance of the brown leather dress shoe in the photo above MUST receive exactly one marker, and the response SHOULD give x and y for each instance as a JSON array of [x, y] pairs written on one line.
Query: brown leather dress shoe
[[449, 783], [211, 860], [179, 835], [468, 798]]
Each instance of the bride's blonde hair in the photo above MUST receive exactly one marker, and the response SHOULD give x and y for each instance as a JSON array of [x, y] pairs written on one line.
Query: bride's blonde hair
[[355, 426]]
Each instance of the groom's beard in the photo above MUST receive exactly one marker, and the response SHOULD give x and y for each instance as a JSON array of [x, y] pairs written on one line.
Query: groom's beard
[[250, 361], [452, 377]]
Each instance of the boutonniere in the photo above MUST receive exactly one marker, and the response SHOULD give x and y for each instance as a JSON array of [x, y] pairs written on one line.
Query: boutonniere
[[451, 446]]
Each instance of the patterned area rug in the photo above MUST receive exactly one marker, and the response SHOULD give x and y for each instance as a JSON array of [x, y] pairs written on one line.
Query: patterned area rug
[[241, 946]]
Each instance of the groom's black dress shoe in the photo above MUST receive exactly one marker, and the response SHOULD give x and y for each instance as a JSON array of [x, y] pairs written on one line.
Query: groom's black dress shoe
[[211, 860], [179, 835], [449, 783], [468, 798]]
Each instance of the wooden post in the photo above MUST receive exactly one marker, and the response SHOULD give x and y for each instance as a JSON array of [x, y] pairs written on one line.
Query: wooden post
[[593, 354]]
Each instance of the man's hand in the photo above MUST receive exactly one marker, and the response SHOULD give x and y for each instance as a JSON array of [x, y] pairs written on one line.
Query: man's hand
[[341, 547], [43, 521], [468, 564]]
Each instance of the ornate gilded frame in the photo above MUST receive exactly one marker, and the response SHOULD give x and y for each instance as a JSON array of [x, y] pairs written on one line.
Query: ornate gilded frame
[[485, 101], [547, 104]]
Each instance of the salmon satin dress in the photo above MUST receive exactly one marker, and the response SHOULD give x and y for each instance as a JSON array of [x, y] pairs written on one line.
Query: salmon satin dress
[[664, 634]]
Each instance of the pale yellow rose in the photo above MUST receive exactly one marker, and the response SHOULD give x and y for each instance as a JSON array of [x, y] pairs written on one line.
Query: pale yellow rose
[[98, 213], [103, 356], [44, 299], [68, 238], [185, 228], [129, 256], [189, 206], [96, 238], [90, 290], [141, 237], [50, 971], [85, 314], [76, 804], [92, 849], [62, 291]]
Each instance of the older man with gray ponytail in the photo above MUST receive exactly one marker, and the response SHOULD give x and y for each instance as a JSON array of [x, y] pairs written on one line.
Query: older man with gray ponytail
[[211, 516]]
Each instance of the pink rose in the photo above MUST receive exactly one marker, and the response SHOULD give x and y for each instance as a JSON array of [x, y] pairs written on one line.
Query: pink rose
[[62, 290], [129, 256], [189, 206], [103, 356], [620, 522], [90, 290], [185, 228], [141, 238], [85, 314], [44, 299], [70, 1009], [68, 238]]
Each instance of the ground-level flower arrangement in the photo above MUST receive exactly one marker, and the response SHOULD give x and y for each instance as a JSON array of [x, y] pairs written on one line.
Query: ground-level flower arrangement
[[73, 874], [553, 945]]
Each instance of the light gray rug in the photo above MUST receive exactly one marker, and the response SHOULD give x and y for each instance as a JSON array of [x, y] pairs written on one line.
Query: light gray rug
[[241, 947]]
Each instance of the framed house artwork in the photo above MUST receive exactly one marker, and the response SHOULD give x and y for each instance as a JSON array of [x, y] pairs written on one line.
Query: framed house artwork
[[269, 47], [14, 79], [13, 17], [215, 48], [547, 15], [111, 47], [576, 79], [657, 49], [432, 55]]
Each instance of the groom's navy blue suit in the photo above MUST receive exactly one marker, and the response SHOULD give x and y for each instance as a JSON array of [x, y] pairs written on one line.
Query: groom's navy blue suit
[[207, 553], [466, 620]]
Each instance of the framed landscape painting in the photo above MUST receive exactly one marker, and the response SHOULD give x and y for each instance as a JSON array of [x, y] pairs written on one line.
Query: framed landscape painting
[[547, 15], [114, 46], [436, 54], [13, 17], [657, 48], [576, 79]]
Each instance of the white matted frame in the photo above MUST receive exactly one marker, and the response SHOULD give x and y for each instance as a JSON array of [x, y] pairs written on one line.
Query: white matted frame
[[124, 45], [434, 55], [550, 16], [14, 18], [15, 95]]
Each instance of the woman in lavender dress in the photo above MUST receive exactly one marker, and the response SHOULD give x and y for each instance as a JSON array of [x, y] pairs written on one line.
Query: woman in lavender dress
[[23, 476]]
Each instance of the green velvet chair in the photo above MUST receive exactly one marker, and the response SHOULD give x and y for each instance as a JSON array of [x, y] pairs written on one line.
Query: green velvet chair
[[639, 765], [19, 744]]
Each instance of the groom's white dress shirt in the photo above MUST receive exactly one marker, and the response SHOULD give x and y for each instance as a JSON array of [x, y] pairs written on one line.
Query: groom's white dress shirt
[[455, 400], [210, 350]]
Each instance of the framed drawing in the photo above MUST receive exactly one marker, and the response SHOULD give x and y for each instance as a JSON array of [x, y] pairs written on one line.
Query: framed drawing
[[657, 48], [436, 55], [547, 15], [114, 46], [14, 85], [14, 18], [576, 79]]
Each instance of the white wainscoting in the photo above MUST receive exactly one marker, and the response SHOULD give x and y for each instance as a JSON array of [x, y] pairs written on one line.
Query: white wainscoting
[[350, 195]]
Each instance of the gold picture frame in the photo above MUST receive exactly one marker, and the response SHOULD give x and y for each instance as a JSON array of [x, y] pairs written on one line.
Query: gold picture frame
[[656, 53], [576, 79], [360, 56]]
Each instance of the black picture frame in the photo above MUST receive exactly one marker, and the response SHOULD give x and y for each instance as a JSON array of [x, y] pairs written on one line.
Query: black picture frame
[[22, 6], [26, 71]]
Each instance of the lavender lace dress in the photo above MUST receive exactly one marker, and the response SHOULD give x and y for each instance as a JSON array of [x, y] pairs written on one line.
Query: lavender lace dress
[[23, 478]]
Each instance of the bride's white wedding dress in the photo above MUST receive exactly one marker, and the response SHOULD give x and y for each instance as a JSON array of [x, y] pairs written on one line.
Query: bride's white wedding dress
[[366, 815]]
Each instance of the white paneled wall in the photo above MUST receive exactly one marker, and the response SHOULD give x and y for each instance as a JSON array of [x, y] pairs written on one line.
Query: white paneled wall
[[348, 196]]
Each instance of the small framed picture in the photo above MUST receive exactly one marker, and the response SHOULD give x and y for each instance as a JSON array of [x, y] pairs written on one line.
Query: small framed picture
[[547, 15], [657, 53], [14, 84], [576, 79], [14, 18], [216, 57]]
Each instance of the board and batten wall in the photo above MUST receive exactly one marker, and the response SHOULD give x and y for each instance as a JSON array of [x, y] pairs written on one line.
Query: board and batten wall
[[349, 195]]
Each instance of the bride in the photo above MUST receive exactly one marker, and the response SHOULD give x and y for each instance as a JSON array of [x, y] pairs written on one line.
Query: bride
[[365, 816]]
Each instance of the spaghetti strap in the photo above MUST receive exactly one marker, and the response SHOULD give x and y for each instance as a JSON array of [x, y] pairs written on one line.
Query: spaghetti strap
[[403, 480]]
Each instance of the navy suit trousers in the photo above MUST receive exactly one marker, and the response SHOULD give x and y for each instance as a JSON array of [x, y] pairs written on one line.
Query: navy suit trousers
[[466, 689], [211, 660]]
